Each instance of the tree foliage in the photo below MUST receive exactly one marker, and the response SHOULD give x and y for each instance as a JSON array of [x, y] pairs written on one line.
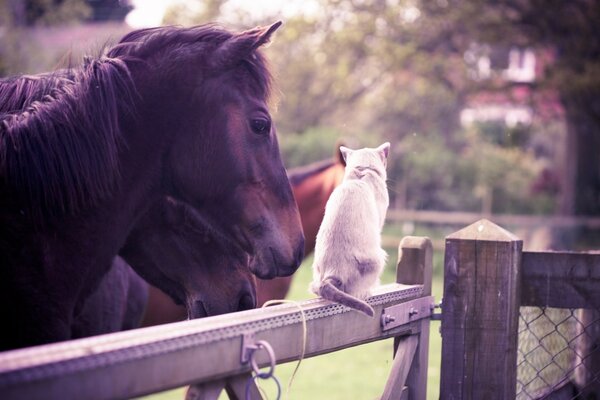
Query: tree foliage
[[16, 17], [43, 12]]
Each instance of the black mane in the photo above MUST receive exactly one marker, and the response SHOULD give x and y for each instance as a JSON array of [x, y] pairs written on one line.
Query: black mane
[[58, 153], [18, 93]]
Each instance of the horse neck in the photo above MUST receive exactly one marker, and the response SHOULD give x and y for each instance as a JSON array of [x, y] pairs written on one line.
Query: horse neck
[[311, 195]]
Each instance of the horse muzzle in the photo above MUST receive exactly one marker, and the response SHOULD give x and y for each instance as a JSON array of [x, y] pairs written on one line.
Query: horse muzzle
[[271, 262]]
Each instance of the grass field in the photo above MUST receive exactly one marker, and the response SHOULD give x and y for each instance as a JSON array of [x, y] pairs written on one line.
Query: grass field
[[356, 373]]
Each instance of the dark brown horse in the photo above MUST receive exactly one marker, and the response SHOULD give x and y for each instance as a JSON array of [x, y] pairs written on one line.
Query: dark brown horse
[[312, 185], [117, 304], [167, 111], [170, 245]]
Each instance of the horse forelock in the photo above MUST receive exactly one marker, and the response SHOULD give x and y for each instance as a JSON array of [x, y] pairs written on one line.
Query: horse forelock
[[59, 151], [167, 48]]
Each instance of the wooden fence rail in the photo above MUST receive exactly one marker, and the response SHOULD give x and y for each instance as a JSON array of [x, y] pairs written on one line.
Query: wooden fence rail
[[487, 278], [208, 352], [465, 218]]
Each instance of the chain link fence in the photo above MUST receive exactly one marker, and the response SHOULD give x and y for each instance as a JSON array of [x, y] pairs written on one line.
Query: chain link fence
[[558, 354]]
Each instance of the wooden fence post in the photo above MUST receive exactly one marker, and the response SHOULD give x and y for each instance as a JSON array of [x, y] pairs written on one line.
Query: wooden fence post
[[480, 313], [415, 267], [587, 354]]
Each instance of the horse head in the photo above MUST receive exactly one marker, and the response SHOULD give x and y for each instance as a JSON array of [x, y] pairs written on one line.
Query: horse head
[[224, 155], [173, 249]]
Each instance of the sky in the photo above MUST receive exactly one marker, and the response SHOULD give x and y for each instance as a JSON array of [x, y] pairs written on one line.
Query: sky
[[149, 13]]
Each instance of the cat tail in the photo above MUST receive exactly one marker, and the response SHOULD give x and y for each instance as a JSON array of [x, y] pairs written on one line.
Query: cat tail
[[329, 290]]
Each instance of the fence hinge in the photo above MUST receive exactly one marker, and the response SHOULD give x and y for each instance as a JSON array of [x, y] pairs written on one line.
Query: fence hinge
[[403, 313], [436, 316], [248, 346]]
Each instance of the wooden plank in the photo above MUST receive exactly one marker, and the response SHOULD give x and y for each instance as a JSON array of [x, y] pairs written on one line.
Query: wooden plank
[[134, 363], [587, 354], [415, 255], [205, 391], [415, 267], [561, 279], [480, 313], [236, 388], [405, 394], [521, 221], [405, 353]]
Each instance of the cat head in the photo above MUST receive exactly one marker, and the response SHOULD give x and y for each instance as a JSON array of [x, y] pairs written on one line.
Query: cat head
[[366, 159]]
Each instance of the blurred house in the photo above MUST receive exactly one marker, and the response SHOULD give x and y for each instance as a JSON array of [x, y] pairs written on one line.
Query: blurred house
[[510, 91]]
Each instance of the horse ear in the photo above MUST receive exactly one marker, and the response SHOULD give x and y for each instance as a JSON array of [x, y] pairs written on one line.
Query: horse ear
[[264, 33], [239, 46]]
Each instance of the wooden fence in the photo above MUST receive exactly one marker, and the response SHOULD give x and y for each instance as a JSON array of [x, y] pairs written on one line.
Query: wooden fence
[[487, 278], [213, 353], [464, 218]]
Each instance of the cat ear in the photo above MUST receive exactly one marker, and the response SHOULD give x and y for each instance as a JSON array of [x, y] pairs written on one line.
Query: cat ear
[[345, 152], [339, 157], [384, 150]]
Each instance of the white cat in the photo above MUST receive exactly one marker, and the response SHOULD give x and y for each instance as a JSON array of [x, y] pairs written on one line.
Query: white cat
[[348, 255]]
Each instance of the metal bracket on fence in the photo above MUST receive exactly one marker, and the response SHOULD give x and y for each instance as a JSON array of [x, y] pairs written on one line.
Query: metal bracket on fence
[[436, 316], [403, 313], [250, 347]]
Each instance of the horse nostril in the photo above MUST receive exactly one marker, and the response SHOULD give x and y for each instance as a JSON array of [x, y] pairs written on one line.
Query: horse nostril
[[300, 254], [247, 302]]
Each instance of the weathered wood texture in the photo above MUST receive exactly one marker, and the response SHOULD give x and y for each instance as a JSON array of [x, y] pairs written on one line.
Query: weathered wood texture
[[523, 221], [480, 313], [205, 391], [401, 366], [587, 355], [235, 387], [415, 267], [561, 279], [134, 363]]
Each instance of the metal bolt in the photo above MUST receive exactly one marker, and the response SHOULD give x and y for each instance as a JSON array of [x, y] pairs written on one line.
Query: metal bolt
[[386, 319], [412, 311]]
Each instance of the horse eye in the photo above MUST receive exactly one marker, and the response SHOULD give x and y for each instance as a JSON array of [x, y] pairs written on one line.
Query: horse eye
[[260, 126]]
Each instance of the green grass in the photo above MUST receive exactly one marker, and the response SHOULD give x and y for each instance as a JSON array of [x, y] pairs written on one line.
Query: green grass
[[356, 373]]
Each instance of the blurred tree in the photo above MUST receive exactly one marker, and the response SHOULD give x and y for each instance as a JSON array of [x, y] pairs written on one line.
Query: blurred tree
[[570, 30], [108, 10], [43, 12], [19, 15], [193, 13]]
